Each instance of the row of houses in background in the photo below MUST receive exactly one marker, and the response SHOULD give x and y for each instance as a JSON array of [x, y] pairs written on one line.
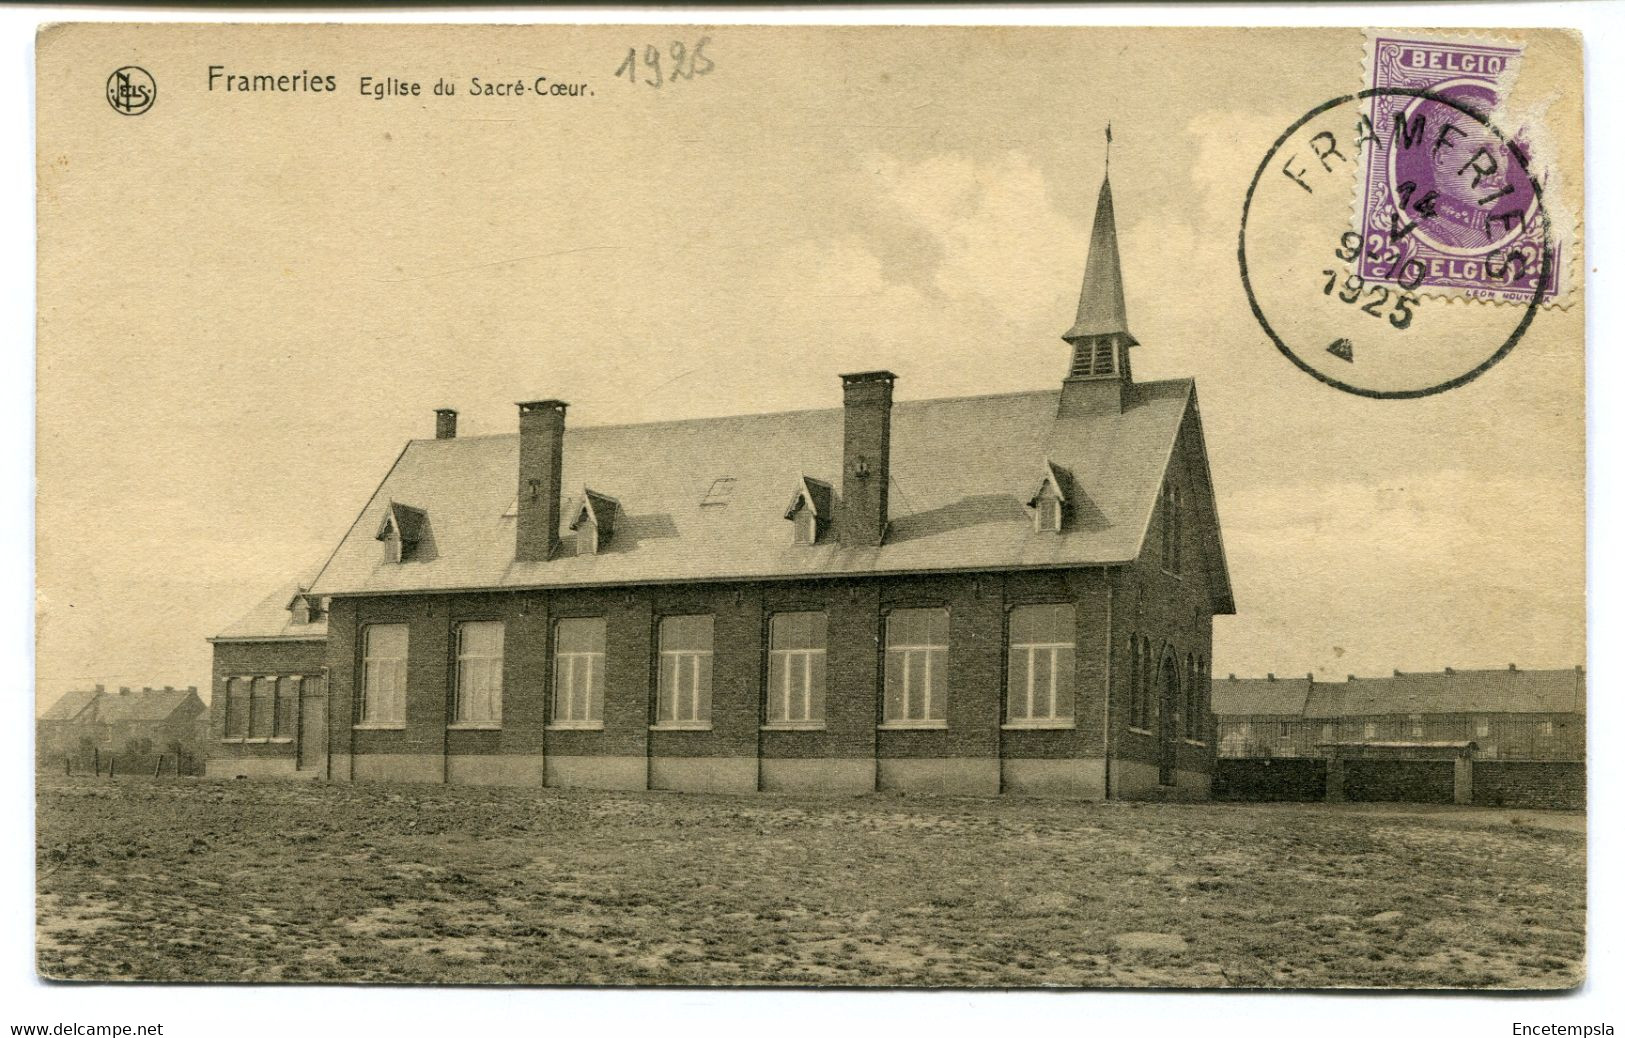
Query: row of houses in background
[[1483, 736], [132, 725]]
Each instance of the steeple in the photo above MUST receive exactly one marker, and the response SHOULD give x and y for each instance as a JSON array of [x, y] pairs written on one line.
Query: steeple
[[1100, 338]]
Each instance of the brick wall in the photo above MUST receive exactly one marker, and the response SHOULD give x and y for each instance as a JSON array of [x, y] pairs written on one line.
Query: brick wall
[[1267, 780], [742, 613], [1547, 784], [1174, 611], [1406, 781], [235, 659]]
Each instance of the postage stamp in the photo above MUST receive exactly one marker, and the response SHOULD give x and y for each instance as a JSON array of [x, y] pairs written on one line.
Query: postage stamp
[[1449, 204]]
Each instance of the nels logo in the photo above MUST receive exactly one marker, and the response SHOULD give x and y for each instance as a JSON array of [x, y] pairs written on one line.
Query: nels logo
[[131, 90]]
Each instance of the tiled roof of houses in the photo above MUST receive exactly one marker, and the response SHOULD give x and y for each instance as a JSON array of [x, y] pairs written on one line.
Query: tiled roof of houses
[[69, 705], [1260, 697], [156, 704], [962, 471], [1446, 692], [271, 619]]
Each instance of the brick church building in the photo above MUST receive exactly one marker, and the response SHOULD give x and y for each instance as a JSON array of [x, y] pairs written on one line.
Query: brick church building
[[1009, 593]]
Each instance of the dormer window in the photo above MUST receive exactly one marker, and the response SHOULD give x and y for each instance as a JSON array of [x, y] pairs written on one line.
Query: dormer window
[[810, 510], [594, 521], [401, 531], [1049, 501], [306, 608]]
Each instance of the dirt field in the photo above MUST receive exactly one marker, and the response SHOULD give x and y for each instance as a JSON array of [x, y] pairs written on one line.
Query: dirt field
[[191, 879]]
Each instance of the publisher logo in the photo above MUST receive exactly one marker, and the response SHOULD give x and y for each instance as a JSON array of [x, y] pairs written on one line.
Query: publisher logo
[[131, 91]]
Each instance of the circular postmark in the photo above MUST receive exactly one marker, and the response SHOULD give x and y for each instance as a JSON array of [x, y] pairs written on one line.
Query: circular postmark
[[1358, 214], [131, 90]]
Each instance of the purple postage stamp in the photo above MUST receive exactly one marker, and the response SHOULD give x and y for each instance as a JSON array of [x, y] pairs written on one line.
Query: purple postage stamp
[[1446, 203]]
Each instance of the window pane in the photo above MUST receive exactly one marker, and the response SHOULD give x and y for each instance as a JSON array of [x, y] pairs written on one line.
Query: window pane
[[1041, 624], [237, 708], [667, 709], [1042, 670], [917, 627], [1016, 680], [777, 673], [581, 634], [798, 630], [1065, 670], [386, 640], [384, 673], [262, 710], [938, 707], [815, 699], [287, 707], [594, 684], [916, 685], [700, 704], [685, 633], [482, 639], [895, 666]]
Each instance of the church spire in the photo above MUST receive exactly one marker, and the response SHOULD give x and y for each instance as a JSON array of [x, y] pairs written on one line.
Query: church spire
[[1100, 305], [1100, 338]]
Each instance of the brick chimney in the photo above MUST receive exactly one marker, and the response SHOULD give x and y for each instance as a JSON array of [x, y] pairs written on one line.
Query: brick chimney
[[860, 519], [445, 424], [541, 467]]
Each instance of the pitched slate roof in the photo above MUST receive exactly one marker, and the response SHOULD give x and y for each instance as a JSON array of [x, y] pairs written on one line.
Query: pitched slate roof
[[962, 470], [272, 620], [158, 704], [69, 705], [1255, 697], [1448, 692]]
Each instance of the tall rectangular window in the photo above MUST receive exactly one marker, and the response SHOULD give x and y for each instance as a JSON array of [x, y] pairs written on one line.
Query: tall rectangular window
[[795, 668], [916, 666], [685, 671], [578, 671], [237, 708], [287, 707], [383, 674], [1041, 664], [479, 672], [262, 709]]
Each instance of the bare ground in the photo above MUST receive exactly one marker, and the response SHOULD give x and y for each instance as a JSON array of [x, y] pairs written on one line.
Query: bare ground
[[189, 879]]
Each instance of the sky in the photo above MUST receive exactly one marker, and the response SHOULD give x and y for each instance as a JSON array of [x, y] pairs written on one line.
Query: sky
[[248, 304]]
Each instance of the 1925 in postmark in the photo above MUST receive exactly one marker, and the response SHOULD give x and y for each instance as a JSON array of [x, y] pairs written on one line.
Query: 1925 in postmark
[[1348, 305]]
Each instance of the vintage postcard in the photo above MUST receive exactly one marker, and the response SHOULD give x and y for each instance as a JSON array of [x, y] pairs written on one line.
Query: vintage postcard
[[813, 506]]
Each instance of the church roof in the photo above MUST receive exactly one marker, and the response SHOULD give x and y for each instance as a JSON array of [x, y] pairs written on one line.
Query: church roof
[[962, 471], [1100, 305], [271, 619]]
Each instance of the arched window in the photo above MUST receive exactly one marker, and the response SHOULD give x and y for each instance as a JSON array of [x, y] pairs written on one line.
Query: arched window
[[1192, 697], [1168, 526], [1179, 531], [1148, 686], [1133, 680]]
